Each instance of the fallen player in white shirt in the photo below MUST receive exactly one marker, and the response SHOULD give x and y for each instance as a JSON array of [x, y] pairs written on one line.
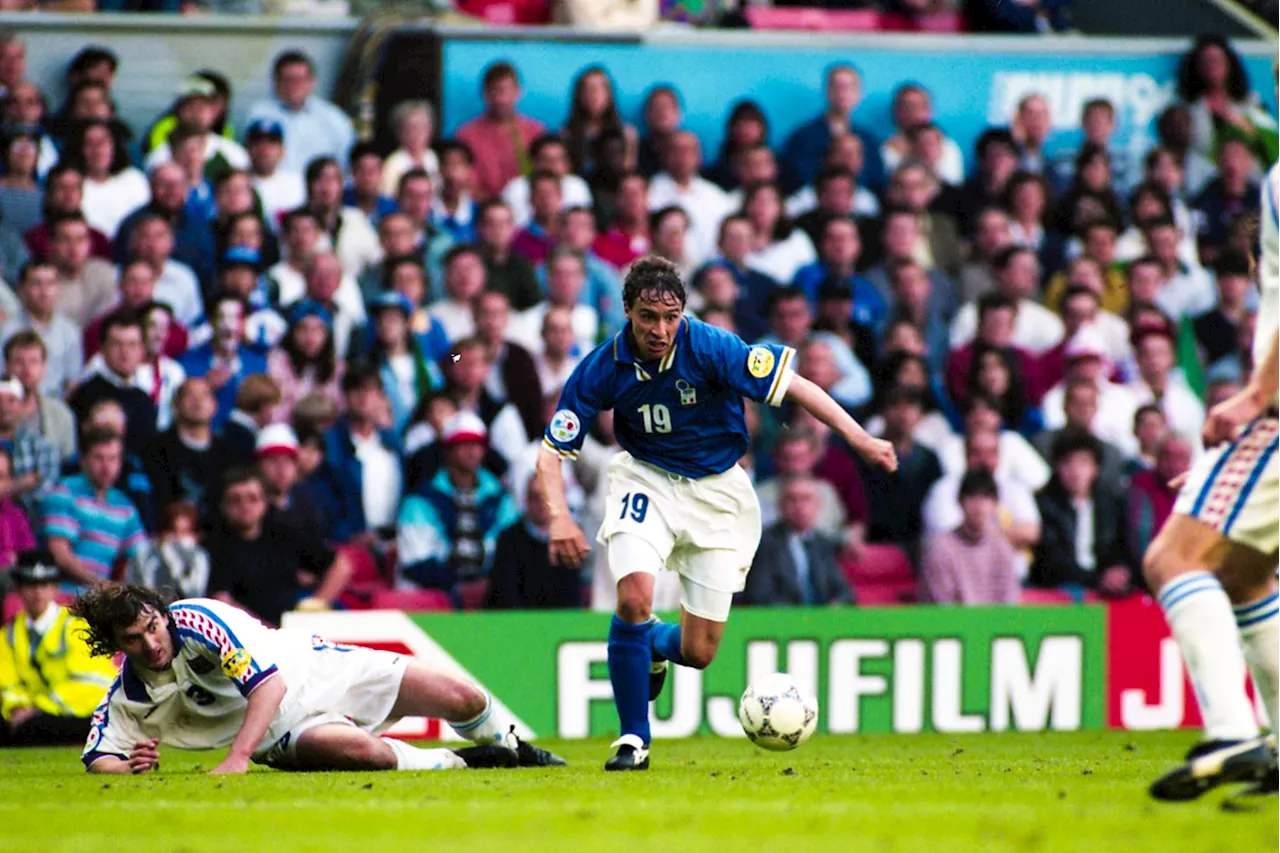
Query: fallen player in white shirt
[[200, 674]]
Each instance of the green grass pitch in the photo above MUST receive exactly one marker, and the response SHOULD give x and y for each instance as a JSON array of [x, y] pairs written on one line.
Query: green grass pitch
[[1009, 792]]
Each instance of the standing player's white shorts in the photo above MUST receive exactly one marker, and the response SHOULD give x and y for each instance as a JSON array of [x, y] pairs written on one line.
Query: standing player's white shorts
[[1235, 487], [707, 530], [347, 684]]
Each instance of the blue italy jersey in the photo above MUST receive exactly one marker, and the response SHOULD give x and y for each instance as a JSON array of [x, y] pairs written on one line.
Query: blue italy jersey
[[682, 414]]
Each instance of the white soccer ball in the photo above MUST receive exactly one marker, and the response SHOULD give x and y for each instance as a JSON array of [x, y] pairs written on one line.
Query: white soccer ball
[[777, 714]]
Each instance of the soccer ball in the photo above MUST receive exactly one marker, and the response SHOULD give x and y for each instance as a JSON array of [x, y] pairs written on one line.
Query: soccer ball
[[776, 714]]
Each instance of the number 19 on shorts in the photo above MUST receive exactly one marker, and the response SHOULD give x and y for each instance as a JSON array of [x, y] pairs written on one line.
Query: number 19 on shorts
[[635, 503]]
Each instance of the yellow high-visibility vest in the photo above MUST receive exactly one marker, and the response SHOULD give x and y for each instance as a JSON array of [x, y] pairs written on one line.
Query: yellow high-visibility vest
[[58, 676]]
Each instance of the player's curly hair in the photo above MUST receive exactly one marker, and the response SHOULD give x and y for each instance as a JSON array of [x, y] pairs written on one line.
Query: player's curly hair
[[112, 607], [650, 279]]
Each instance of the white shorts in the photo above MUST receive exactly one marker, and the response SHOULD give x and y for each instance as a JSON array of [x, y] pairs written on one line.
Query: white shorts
[[707, 529], [350, 685], [1235, 488]]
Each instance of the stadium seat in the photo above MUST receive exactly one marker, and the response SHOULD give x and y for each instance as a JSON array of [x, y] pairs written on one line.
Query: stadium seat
[[410, 599], [1045, 596], [883, 577], [367, 578], [768, 18]]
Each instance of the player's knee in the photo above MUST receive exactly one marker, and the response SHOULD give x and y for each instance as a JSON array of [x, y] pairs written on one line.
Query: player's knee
[[372, 754], [469, 700], [1161, 564], [635, 601], [698, 657]]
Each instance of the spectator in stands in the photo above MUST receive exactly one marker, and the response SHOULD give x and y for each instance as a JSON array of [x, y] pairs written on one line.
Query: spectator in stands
[[364, 192], [193, 238], [1026, 198], [338, 294], [1030, 129], [1019, 461], [255, 403], [537, 238], [49, 681], [913, 300], [122, 353], [500, 138], [513, 374], [159, 375], [38, 291], [779, 249], [367, 459], [258, 566], [187, 461], [839, 249], [913, 187], [614, 161], [239, 277], [21, 194], [576, 230], [196, 111], [280, 189], [1082, 306], [791, 322], [1232, 194], [1017, 512], [902, 240], [996, 373], [626, 237], [1080, 407], [566, 280], [89, 524], [1213, 84], [306, 361], [593, 109], [34, 461], [992, 235], [912, 107], [796, 453], [137, 291], [835, 192], [1083, 540], [132, 479], [796, 562], [407, 372], [351, 236], [92, 64], [152, 242], [550, 157], [680, 185], [448, 528], [112, 186], [413, 123], [466, 379], [1086, 360], [1155, 353], [15, 527], [226, 359], [233, 200], [290, 508], [1035, 328], [1217, 330], [997, 154], [506, 270], [464, 280], [754, 165], [1150, 424], [175, 560], [1151, 202], [24, 107], [313, 127], [523, 577], [454, 208], [1092, 180], [807, 144], [974, 563], [669, 228], [88, 283], [1150, 495], [45, 415], [752, 286], [558, 356]]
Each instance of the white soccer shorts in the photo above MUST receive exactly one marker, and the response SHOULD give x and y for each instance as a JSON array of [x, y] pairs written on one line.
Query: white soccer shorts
[[348, 685], [707, 529], [1235, 488]]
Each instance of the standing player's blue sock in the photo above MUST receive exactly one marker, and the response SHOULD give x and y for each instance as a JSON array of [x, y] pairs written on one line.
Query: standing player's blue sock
[[665, 637], [629, 659]]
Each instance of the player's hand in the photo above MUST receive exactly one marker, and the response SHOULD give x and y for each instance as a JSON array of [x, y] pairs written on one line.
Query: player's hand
[[145, 756], [877, 451], [567, 543], [231, 765], [1228, 417]]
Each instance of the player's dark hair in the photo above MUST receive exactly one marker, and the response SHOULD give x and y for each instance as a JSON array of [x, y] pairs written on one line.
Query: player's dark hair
[[651, 279], [1074, 440], [114, 607]]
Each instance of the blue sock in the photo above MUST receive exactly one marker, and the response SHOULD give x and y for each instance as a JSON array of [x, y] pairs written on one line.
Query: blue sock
[[666, 641], [629, 660]]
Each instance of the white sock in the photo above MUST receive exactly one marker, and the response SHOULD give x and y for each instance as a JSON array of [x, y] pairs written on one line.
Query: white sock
[[412, 758], [1199, 614], [488, 726], [1259, 623]]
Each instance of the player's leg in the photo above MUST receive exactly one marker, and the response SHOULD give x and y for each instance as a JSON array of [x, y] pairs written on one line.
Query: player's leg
[[342, 746], [635, 563]]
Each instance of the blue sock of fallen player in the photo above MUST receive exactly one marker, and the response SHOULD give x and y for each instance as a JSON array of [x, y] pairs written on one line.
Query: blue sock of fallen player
[[665, 637], [629, 659]]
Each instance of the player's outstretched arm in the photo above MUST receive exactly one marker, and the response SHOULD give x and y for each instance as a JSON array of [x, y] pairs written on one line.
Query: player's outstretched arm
[[1226, 418], [143, 758], [264, 701], [819, 404], [566, 541]]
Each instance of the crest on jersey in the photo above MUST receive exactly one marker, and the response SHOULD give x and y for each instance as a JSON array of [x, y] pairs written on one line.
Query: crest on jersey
[[760, 362], [565, 426], [688, 395], [235, 663]]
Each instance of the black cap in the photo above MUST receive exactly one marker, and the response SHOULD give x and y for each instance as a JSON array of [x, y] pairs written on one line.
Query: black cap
[[36, 566]]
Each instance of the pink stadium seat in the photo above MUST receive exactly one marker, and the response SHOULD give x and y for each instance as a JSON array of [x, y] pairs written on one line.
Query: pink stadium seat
[[367, 578], [883, 577], [410, 599], [765, 18], [1045, 596]]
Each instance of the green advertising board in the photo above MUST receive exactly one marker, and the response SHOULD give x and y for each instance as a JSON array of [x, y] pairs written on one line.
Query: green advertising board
[[893, 670]]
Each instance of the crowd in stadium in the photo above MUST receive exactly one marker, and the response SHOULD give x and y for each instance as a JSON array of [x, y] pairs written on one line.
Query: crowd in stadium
[[279, 365]]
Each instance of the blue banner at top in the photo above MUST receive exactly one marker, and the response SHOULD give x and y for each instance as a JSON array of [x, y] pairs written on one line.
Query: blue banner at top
[[975, 82]]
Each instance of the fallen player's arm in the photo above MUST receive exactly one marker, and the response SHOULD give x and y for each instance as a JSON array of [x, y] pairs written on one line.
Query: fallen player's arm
[[143, 758], [820, 404], [264, 701]]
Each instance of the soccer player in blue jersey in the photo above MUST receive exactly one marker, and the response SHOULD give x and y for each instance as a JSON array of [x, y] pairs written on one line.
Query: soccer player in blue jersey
[[677, 497]]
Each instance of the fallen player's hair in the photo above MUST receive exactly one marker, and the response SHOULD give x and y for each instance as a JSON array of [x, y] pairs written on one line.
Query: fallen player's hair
[[112, 607]]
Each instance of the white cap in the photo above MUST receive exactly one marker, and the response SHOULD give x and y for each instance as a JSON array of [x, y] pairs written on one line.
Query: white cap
[[464, 426], [12, 386], [1087, 341], [276, 440]]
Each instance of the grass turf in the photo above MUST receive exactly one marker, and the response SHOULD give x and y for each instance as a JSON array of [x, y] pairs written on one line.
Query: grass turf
[[1008, 792]]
